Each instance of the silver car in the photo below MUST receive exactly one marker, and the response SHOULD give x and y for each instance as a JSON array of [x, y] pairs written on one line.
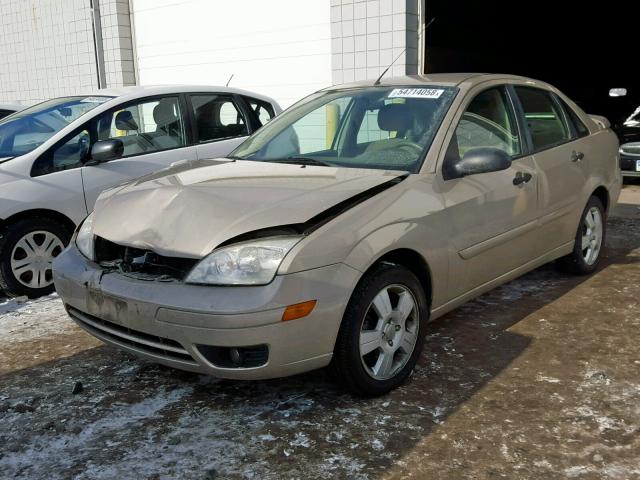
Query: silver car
[[336, 232], [56, 157]]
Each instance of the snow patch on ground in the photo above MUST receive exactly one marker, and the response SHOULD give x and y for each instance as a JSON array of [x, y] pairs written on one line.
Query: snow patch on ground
[[114, 424], [22, 321]]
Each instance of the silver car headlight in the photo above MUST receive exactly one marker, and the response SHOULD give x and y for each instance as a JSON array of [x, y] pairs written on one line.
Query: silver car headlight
[[249, 263], [85, 238]]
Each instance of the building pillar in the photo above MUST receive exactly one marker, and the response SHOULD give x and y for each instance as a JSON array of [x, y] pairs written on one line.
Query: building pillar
[[117, 43], [367, 35]]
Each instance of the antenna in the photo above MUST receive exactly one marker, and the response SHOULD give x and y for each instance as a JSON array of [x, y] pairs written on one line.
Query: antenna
[[229, 81], [377, 82]]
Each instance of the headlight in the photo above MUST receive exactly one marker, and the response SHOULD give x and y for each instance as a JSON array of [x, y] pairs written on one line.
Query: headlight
[[85, 238], [249, 263]]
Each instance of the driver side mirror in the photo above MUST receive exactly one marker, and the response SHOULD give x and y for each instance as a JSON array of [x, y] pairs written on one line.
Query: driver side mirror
[[478, 160], [106, 150]]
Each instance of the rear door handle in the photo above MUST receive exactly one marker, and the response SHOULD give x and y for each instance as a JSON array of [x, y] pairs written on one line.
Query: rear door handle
[[576, 156], [522, 177]]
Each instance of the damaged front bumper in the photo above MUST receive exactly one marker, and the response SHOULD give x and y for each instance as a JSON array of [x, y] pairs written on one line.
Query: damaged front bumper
[[229, 332]]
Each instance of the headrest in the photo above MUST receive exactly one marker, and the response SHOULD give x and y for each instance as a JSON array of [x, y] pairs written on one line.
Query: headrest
[[164, 114], [394, 117], [125, 121]]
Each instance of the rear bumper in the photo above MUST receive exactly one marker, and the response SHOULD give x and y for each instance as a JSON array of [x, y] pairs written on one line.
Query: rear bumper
[[171, 322]]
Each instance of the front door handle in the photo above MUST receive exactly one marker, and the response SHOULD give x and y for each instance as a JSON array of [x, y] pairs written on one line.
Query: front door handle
[[576, 156], [522, 177]]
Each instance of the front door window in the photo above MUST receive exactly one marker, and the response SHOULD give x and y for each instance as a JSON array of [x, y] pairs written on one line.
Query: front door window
[[145, 127], [488, 122], [68, 154]]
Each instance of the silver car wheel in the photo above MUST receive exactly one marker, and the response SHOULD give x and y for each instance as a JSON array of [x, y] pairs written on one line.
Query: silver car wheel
[[32, 258], [592, 230], [389, 332]]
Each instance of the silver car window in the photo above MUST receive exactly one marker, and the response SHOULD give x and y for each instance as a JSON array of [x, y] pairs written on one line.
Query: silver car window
[[144, 126]]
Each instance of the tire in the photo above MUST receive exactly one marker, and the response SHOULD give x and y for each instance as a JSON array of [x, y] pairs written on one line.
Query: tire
[[45, 239], [369, 374], [583, 261]]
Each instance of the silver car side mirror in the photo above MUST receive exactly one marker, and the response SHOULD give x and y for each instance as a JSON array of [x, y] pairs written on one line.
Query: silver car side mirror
[[106, 150]]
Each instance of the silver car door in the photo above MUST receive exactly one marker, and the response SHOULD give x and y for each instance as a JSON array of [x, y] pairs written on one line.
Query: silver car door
[[55, 180], [492, 215]]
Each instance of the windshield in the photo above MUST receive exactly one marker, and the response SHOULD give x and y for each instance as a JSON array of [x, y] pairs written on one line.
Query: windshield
[[26, 130], [374, 127]]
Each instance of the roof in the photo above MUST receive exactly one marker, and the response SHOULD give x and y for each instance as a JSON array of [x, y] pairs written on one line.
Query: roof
[[133, 92], [443, 79]]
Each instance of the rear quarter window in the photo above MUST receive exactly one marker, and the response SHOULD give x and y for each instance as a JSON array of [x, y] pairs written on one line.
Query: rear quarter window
[[578, 126], [263, 110]]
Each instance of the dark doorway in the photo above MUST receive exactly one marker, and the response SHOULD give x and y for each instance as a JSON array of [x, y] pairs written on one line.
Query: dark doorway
[[582, 48]]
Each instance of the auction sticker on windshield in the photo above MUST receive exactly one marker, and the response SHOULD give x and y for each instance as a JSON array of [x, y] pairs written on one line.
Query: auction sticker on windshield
[[416, 93]]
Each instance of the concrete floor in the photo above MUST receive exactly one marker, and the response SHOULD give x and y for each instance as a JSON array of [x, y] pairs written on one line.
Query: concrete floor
[[538, 379]]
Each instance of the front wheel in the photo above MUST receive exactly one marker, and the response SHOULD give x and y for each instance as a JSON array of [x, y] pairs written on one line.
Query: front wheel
[[589, 240], [382, 332], [27, 252]]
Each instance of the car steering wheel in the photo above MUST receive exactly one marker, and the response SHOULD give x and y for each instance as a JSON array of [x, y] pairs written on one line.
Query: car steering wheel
[[393, 143]]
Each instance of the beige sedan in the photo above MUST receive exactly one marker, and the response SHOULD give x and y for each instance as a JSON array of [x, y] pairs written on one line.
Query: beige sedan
[[337, 231]]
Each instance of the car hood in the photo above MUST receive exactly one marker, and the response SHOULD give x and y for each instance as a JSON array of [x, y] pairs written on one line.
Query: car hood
[[190, 209]]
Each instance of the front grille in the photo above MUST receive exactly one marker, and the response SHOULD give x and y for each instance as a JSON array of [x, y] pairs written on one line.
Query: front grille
[[628, 163], [127, 337], [142, 264], [631, 148]]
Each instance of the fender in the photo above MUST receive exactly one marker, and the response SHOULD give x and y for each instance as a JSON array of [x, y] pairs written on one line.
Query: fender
[[404, 235]]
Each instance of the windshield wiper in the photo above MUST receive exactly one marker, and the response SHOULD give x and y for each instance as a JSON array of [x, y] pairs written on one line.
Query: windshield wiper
[[300, 161]]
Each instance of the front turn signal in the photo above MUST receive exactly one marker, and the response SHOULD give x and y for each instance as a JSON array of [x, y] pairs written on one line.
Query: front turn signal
[[298, 310]]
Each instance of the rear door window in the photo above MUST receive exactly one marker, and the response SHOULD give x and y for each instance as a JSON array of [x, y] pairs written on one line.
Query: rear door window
[[217, 117], [544, 118]]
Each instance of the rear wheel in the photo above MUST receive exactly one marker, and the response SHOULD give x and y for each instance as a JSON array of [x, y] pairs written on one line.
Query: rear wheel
[[382, 332], [589, 240], [27, 252]]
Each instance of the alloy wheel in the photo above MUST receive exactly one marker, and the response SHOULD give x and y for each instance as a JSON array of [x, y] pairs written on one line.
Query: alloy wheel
[[389, 332], [592, 231]]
